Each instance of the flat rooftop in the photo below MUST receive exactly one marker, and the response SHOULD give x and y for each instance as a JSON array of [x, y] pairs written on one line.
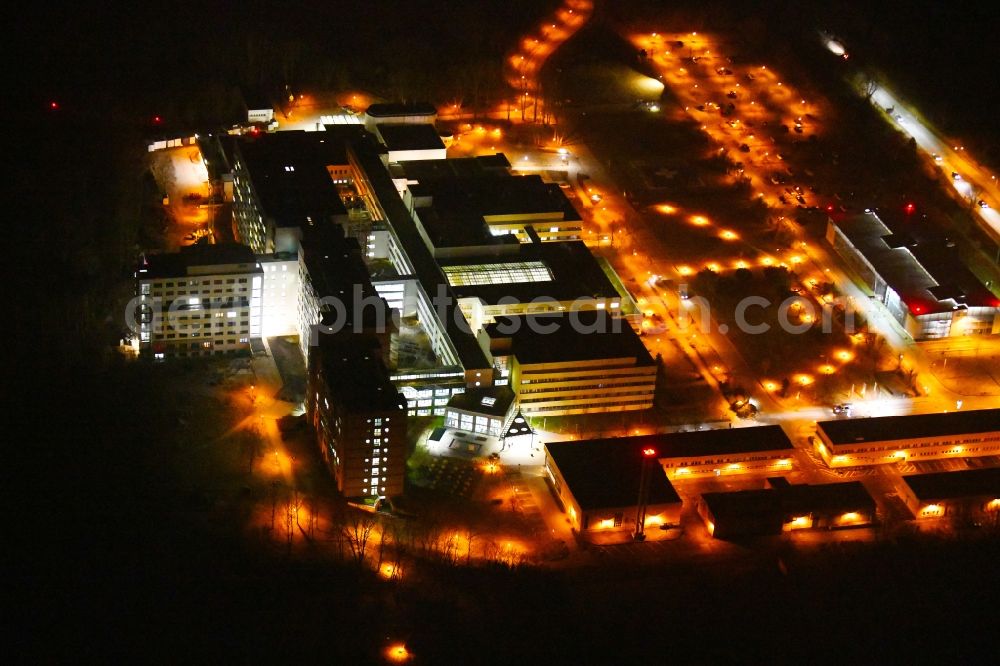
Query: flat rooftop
[[458, 200], [917, 260], [792, 500], [605, 474], [956, 485], [390, 109], [915, 426], [711, 442], [355, 374], [453, 167], [495, 401], [556, 271], [337, 269], [289, 173], [409, 136], [226, 257], [425, 269], [566, 338]]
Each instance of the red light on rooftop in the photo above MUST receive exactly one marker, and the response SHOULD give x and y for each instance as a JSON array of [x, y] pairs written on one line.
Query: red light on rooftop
[[53, 105], [157, 119], [829, 208], [649, 452], [910, 208]]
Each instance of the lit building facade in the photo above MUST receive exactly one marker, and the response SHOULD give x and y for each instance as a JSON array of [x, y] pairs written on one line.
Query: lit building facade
[[201, 301], [719, 452], [481, 411], [579, 363], [405, 142], [914, 272], [285, 182], [280, 294], [397, 113], [915, 438], [359, 417], [973, 494], [786, 508], [597, 485]]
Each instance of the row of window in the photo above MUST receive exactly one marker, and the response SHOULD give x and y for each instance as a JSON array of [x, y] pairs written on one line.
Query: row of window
[[507, 273], [840, 450], [183, 353], [231, 314], [202, 334], [647, 382], [196, 303], [582, 408], [195, 283], [735, 458], [206, 344], [438, 402], [199, 292], [647, 376], [557, 396], [437, 411]]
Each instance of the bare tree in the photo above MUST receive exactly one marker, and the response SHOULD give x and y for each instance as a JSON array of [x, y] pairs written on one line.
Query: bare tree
[[313, 519], [471, 533], [384, 531], [251, 444], [274, 503], [292, 518], [869, 86], [973, 197], [872, 345], [357, 531], [449, 548]]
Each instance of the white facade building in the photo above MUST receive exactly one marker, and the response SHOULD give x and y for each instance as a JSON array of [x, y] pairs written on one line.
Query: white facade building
[[201, 301], [281, 286]]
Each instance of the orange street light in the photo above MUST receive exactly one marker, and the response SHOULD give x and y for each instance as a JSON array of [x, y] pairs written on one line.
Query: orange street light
[[398, 653]]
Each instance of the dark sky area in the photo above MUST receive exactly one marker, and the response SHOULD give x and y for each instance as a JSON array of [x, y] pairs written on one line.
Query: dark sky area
[[187, 61]]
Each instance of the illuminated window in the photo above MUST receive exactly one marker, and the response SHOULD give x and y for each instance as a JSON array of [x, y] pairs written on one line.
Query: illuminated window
[[507, 273]]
